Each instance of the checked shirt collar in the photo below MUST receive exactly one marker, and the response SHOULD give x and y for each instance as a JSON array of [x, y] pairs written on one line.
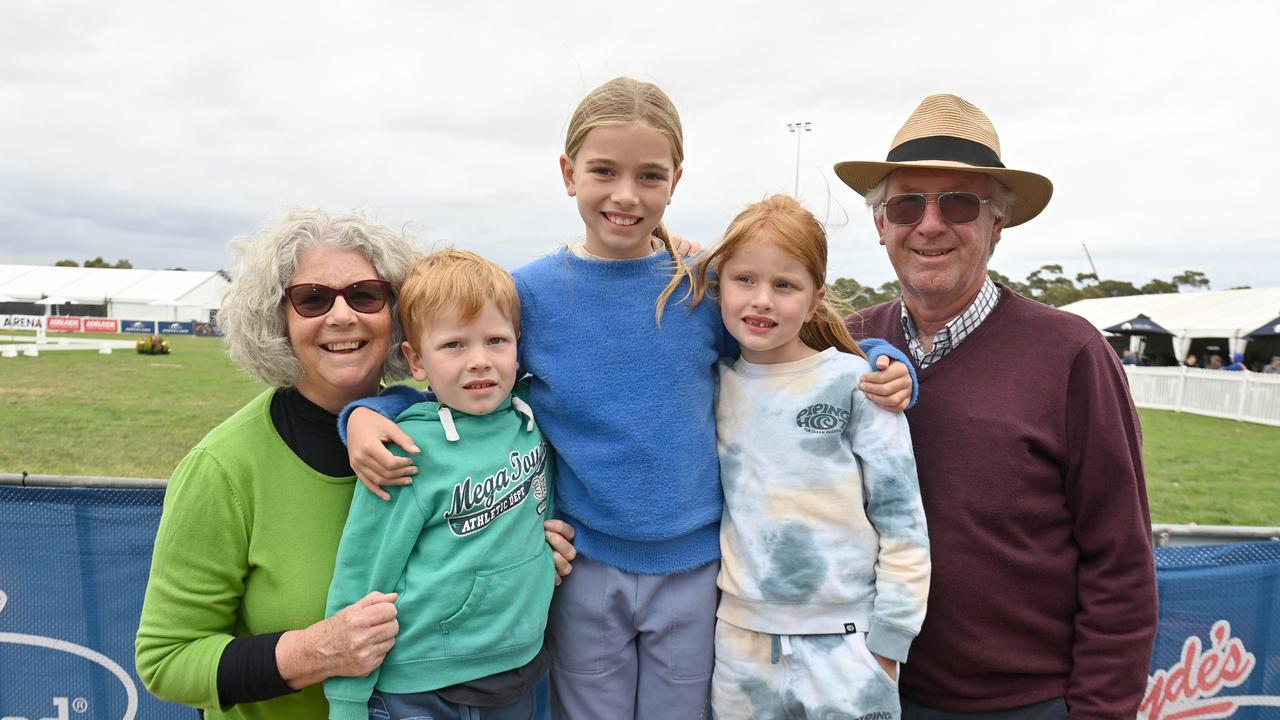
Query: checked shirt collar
[[950, 336]]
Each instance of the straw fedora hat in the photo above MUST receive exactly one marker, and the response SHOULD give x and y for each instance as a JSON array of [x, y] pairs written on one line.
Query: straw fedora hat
[[948, 133]]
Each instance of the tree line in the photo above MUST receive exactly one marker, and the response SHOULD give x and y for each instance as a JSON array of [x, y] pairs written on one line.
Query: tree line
[[98, 262], [1048, 284]]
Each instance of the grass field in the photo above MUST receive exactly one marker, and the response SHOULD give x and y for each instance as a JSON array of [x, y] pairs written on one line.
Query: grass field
[[130, 415]]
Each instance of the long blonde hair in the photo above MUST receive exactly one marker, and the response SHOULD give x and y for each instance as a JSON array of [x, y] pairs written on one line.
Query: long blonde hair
[[781, 220], [622, 101]]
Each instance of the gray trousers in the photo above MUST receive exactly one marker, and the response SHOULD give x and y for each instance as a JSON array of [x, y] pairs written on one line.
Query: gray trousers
[[1055, 709], [633, 646]]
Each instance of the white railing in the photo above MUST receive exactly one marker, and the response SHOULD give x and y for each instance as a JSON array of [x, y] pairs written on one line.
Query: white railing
[[1252, 397]]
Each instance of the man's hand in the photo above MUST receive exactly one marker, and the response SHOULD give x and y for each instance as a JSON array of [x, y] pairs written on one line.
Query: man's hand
[[373, 463], [889, 387]]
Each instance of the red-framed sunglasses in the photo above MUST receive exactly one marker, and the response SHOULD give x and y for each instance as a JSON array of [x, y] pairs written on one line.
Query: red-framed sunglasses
[[313, 299]]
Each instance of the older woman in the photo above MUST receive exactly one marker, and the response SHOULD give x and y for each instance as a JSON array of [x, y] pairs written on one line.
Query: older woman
[[233, 620]]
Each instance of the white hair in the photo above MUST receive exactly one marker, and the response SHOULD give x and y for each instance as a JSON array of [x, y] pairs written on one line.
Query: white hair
[[1002, 198], [253, 308]]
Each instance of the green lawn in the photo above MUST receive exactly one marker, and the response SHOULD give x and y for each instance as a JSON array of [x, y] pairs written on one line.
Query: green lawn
[[74, 412], [130, 415], [1210, 471]]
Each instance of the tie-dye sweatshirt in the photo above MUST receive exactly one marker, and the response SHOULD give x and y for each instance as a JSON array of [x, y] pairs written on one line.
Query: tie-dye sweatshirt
[[823, 530]]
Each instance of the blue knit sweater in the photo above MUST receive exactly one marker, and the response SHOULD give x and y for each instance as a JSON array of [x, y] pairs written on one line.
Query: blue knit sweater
[[628, 406]]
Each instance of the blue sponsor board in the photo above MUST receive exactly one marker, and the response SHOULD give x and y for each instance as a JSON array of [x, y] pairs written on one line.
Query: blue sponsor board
[[1218, 646], [72, 577], [176, 328], [143, 327], [73, 573]]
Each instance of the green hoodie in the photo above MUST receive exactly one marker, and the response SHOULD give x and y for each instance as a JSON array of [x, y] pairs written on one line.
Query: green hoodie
[[463, 546]]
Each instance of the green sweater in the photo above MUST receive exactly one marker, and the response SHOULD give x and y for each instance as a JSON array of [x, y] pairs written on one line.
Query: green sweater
[[463, 546], [246, 546]]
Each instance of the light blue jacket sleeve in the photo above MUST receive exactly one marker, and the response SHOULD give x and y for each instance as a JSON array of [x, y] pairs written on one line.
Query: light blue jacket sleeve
[[874, 348], [393, 401], [891, 492]]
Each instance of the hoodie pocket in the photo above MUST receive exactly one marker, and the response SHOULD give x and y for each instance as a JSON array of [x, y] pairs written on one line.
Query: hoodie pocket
[[507, 607]]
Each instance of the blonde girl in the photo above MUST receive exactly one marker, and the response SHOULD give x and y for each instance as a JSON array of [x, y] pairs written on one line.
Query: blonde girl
[[623, 385], [824, 555]]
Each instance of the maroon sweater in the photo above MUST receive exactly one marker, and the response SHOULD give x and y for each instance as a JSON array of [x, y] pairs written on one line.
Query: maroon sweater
[[1029, 455]]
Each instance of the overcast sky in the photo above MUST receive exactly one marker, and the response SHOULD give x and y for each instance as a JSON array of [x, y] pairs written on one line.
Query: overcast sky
[[157, 130]]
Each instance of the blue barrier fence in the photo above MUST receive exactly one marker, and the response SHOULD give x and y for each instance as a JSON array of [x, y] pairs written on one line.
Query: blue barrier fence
[[75, 560]]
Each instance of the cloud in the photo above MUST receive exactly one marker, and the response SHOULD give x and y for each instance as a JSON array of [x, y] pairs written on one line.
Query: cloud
[[155, 131]]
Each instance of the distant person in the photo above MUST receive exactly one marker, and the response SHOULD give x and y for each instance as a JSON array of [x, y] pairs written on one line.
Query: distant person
[[1042, 602], [1191, 361], [1237, 363], [1215, 362], [1130, 358], [1274, 366]]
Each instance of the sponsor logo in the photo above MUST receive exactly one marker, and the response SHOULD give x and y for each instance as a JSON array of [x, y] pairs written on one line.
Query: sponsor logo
[[822, 419], [65, 324], [145, 327], [174, 328], [107, 325], [1189, 689], [77, 705], [475, 504]]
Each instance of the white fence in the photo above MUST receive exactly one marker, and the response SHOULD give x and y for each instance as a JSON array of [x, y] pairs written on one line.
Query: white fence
[[1252, 397]]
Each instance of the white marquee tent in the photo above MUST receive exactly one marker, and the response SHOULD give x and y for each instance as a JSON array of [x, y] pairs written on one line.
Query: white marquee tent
[[1228, 314], [132, 294]]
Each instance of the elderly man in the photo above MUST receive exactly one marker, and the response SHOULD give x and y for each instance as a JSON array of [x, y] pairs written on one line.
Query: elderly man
[[1043, 601]]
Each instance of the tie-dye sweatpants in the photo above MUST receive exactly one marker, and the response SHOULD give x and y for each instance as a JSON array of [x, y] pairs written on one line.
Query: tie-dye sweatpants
[[794, 677]]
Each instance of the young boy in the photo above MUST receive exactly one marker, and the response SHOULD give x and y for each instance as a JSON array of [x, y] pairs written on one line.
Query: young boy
[[464, 545]]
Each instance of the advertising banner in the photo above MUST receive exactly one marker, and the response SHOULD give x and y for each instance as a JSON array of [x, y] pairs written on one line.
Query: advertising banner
[[175, 328], [62, 323], [1217, 653], [103, 325], [75, 564], [21, 322], [72, 576], [143, 327]]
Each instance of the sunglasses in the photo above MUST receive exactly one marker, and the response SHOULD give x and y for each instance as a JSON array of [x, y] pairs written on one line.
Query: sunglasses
[[957, 208], [313, 300]]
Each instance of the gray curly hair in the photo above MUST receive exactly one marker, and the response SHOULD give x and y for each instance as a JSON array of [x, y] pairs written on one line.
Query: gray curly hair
[[253, 308]]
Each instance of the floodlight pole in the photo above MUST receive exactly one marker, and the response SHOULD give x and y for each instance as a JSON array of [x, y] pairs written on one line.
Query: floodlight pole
[[799, 128], [1091, 265]]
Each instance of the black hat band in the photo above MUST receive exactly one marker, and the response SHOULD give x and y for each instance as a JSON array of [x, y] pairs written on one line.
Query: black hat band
[[945, 147]]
